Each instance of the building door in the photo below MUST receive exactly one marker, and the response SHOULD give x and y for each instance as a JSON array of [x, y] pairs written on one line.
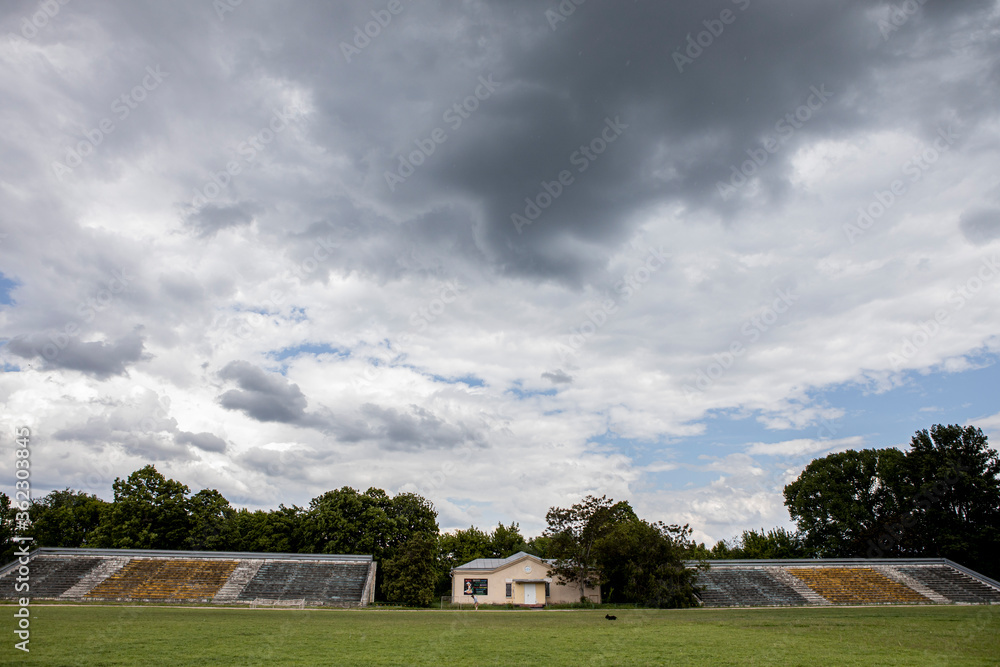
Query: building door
[[529, 594]]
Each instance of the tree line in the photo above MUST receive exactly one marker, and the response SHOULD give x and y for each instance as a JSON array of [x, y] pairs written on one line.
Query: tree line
[[940, 498]]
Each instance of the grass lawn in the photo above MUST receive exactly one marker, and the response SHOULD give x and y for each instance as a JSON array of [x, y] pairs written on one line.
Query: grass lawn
[[150, 635]]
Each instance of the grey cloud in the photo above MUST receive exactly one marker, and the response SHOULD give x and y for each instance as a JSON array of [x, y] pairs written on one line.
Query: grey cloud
[[95, 430], [981, 226], [212, 218], [558, 376], [152, 447], [208, 442], [295, 463], [414, 429], [98, 358], [264, 396]]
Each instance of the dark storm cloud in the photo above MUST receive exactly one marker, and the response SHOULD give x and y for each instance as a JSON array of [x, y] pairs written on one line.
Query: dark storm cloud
[[678, 133], [264, 396], [98, 359]]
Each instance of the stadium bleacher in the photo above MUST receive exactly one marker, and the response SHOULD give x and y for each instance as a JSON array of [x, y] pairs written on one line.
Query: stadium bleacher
[[757, 587], [953, 585], [798, 582], [313, 582], [193, 576], [51, 576]]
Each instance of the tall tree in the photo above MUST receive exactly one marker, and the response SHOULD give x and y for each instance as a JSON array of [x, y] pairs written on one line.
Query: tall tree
[[575, 530], [277, 531], [506, 540], [7, 529], [410, 576], [212, 527], [149, 512], [843, 501], [953, 476], [66, 519]]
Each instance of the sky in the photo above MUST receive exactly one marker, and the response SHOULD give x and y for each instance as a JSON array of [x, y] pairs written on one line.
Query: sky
[[501, 254]]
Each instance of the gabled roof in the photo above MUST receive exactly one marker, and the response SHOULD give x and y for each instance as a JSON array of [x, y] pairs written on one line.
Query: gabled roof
[[497, 563]]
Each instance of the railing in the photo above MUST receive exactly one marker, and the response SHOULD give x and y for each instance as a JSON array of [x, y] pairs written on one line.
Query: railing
[[266, 602]]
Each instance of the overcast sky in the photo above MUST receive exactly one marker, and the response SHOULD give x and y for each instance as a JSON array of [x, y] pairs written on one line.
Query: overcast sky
[[503, 254]]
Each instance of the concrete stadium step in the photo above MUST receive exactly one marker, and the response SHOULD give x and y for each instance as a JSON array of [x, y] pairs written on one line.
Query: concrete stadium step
[[241, 576], [106, 568]]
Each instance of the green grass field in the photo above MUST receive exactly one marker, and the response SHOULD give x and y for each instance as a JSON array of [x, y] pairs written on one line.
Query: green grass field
[[150, 635]]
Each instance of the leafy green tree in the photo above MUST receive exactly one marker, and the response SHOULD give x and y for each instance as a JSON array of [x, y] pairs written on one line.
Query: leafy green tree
[[212, 527], [456, 549], [7, 531], [66, 519], [149, 512], [540, 546], [346, 521], [751, 544], [953, 477], [277, 531], [842, 501], [574, 531], [411, 575], [643, 563], [506, 541]]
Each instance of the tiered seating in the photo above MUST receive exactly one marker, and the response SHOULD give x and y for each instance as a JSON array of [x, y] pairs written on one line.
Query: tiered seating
[[165, 579], [954, 585], [318, 583], [856, 585], [731, 587], [49, 577]]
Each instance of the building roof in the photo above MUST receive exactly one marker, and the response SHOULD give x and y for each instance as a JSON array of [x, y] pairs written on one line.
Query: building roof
[[497, 563]]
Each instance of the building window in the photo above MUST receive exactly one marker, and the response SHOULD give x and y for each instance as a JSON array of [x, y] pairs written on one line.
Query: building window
[[546, 589], [510, 591]]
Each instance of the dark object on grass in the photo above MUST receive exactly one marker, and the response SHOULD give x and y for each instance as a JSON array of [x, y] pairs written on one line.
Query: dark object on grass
[[611, 618]]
